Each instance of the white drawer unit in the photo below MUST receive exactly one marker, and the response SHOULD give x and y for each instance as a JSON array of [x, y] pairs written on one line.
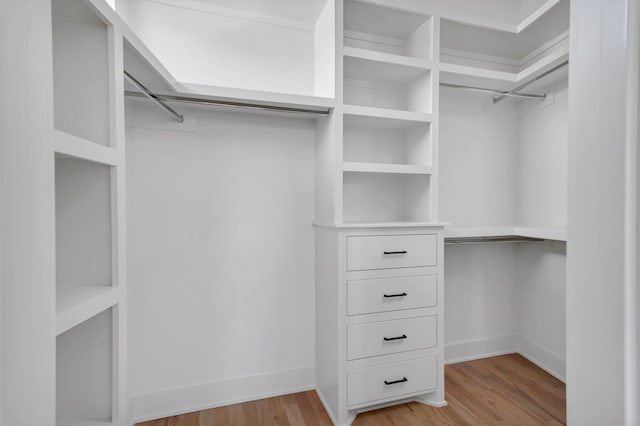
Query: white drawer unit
[[392, 380], [380, 314], [391, 294], [387, 337], [391, 251]]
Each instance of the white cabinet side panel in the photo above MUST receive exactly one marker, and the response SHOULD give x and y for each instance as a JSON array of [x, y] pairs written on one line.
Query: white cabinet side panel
[[27, 240], [596, 233]]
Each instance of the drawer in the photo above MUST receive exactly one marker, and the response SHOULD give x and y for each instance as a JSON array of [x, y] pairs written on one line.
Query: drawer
[[376, 383], [387, 337], [391, 251], [391, 294]]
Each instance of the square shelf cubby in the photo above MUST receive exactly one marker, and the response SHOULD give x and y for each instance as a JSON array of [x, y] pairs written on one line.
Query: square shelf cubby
[[386, 197], [82, 72], [83, 193], [387, 30], [400, 144], [84, 366]]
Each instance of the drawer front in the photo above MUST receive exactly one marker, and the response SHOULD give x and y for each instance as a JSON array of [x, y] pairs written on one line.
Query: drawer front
[[391, 251], [391, 294], [375, 383], [387, 337]]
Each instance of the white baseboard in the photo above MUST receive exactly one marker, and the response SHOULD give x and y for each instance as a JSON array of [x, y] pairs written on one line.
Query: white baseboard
[[204, 396], [480, 348], [549, 362]]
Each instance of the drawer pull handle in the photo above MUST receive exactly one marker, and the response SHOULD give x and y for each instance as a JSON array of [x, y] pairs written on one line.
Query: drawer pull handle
[[404, 379], [396, 295], [396, 252], [388, 339]]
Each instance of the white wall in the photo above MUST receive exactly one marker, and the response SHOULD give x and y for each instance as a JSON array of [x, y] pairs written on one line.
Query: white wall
[[478, 143], [541, 304], [542, 160], [480, 300], [225, 50], [221, 245]]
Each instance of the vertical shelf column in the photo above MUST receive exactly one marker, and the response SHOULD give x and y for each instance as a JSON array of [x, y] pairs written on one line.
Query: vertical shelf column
[[388, 103], [89, 150]]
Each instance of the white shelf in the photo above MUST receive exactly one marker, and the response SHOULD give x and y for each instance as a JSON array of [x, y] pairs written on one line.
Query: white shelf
[[401, 169], [555, 234], [67, 422], [77, 304], [498, 231], [66, 144], [386, 118], [477, 76], [379, 66], [398, 224], [230, 94]]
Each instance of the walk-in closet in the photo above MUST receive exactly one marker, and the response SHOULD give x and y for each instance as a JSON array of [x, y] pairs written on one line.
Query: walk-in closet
[[316, 212]]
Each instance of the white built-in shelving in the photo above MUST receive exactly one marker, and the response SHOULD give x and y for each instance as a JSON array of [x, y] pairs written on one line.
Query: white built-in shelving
[[388, 86], [88, 152]]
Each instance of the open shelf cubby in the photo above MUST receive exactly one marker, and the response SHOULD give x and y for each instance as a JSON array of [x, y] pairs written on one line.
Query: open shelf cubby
[[84, 364], [384, 84], [381, 197], [83, 230], [389, 30], [81, 72], [411, 145]]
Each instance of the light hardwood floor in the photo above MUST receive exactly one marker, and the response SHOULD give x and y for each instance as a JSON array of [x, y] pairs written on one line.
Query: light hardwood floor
[[504, 390]]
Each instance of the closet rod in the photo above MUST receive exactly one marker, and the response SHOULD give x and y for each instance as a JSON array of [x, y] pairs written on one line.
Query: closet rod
[[522, 86], [148, 94], [501, 92], [234, 104]]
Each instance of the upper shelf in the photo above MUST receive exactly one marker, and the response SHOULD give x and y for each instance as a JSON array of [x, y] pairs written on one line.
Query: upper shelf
[[482, 57], [385, 67], [476, 76]]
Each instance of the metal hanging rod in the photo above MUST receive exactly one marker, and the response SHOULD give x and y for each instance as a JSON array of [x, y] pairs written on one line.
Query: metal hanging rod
[[522, 86], [494, 91], [233, 104], [144, 92], [494, 239]]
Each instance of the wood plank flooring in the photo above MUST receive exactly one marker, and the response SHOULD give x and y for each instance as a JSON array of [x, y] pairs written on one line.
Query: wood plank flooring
[[504, 390]]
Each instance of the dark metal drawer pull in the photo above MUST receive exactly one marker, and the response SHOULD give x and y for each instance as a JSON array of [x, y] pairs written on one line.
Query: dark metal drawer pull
[[396, 252], [388, 339], [396, 295], [404, 379]]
